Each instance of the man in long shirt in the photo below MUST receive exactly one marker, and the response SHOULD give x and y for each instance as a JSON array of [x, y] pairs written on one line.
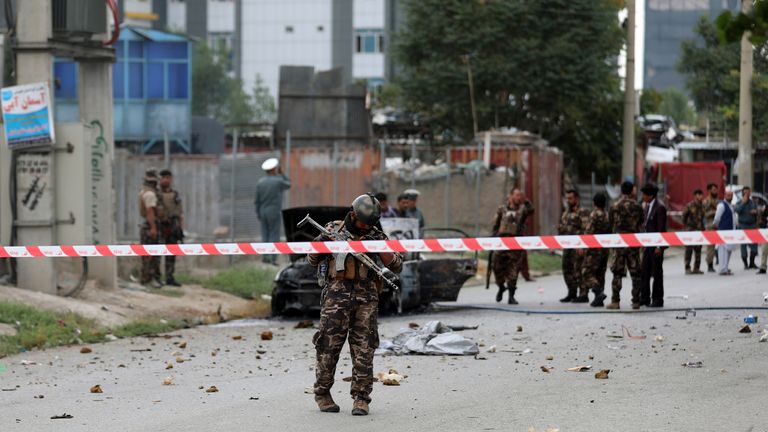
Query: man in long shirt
[[746, 209], [269, 203], [725, 219]]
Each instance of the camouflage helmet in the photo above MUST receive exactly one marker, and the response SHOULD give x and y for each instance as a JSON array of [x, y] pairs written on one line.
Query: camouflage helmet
[[366, 208], [150, 175]]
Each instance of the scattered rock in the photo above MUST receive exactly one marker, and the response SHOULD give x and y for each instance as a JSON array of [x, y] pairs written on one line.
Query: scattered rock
[[659, 338], [309, 390], [391, 378], [480, 357], [121, 365], [519, 328], [211, 389], [85, 350], [266, 335], [60, 417], [39, 397], [169, 366], [304, 324], [179, 360], [764, 337], [7, 330], [545, 369], [237, 337], [183, 345], [549, 358], [579, 369], [492, 349], [693, 365], [96, 389], [746, 329], [168, 381], [603, 374], [413, 325]]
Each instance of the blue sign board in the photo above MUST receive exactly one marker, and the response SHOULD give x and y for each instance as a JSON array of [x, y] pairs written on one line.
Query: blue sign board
[[27, 116]]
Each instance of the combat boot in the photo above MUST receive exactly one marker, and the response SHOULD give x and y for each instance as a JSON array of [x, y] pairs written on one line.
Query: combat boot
[[710, 268], [172, 282], [598, 301], [581, 299], [687, 270], [744, 260], [569, 298], [511, 300], [359, 408], [500, 293], [752, 258], [613, 306], [325, 403], [761, 271]]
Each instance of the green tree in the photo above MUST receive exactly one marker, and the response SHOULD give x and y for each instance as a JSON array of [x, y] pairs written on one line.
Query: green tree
[[214, 93], [263, 102], [712, 80], [650, 101], [731, 27], [548, 66], [675, 104]]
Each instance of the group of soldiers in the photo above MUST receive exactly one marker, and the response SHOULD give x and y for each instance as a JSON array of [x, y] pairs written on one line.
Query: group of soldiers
[[160, 207], [583, 269]]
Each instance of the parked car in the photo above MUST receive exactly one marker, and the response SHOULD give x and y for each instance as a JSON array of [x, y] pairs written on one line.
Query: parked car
[[425, 277]]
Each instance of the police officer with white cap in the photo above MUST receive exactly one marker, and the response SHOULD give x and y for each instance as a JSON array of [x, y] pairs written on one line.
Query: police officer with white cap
[[269, 203]]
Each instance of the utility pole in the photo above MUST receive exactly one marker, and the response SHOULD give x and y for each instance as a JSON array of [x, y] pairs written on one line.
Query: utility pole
[[746, 169], [628, 143]]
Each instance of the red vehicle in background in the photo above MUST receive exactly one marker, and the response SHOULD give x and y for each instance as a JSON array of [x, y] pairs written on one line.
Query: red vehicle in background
[[678, 180]]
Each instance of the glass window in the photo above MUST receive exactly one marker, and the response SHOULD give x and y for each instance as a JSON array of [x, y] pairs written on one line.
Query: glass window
[[135, 80], [166, 50], [118, 83], [369, 43], [178, 81], [155, 80], [135, 49], [66, 79]]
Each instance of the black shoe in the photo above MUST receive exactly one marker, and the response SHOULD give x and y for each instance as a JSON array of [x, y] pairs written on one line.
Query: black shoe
[[761, 271], [598, 301], [581, 299], [567, 299], [500, 294], [656, 304], [710, 268], [511, 300], [645, 302], [746, 266], [172, 282]]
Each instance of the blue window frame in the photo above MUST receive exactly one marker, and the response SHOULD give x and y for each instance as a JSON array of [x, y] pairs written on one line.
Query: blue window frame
[[178, 81], [118, 80], [155, 80], [65, 73]]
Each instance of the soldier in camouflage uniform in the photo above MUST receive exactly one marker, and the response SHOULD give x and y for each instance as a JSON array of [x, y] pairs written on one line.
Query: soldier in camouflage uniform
[[350, 307], [509, 222], [171, 226], [626, 216], [596, 259], [710, 208], [152, 211], [693, 219], [572, 222]]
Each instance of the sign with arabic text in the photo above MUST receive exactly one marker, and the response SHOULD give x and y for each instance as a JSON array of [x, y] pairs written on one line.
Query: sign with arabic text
[[28, 115]]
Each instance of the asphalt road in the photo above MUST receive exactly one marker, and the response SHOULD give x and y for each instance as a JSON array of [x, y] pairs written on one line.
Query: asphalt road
[[648, 388]]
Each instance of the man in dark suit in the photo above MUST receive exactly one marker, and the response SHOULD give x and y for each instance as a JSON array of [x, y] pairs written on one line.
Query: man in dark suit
[[655, 220]]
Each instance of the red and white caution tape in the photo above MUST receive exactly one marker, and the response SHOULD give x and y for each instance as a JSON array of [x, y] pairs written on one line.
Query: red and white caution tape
[[687, 238]]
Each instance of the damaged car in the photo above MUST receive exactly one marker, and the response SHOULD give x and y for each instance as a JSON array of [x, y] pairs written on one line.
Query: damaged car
[[425, 277]]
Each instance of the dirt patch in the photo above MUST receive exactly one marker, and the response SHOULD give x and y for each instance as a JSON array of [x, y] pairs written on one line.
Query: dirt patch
[[130, 302]]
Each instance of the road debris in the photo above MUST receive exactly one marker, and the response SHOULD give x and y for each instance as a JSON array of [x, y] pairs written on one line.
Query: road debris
[[85, 350], [545, 369], [460, 327], [309, 390], [579, 369], [304, 324], [519, 328], [433, 338], [750, 319], [659, 338], [603, 374], [629, 335], [60, 417], [549, 358], [764, 337], [480, 357], [40, 397], [391, 378], [183, 345], [413, 325], [492, 349], [169, 366], [180, 360], [212, 389], [266, 335], [239, 337], [168, 381], [746, 329], [693, 364], [96, 389]]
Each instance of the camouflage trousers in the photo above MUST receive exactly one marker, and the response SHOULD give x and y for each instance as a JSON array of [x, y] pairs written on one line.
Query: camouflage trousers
[[506, 267], [170, 260], [150, 265], [695, 251], [623, 260], [349, 312], [593, 271], [572, 272]]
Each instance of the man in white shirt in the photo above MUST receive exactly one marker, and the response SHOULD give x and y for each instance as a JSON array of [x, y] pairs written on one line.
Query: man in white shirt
[[725, 219]]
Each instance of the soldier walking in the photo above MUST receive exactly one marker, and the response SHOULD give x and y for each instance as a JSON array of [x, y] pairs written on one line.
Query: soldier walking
[[350, 305], [151, 210], [625, 217], [596, 259], [572, 222], [710, 208], [693, 219], [509, 222], [171, 227]]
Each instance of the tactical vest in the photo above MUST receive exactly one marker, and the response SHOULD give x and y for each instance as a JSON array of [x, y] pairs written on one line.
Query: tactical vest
[[510, 220], [351, 268], [171, 203], [159, 210]]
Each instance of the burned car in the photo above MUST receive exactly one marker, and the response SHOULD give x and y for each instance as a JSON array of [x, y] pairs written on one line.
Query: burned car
[[424, 279]]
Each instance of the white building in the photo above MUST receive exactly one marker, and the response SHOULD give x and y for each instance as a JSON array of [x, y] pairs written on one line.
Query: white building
[[370, 42]]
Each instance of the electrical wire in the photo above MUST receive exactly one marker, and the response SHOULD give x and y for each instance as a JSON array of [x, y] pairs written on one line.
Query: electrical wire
[[81, 283], [116, 17]]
